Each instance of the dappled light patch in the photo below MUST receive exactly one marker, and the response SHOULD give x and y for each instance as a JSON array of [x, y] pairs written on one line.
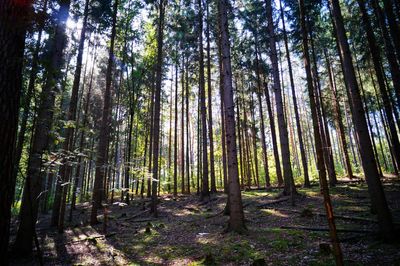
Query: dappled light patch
[[275, 213]]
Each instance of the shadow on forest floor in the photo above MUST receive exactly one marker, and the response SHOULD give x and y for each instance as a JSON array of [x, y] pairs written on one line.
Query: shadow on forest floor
[[188, 232]]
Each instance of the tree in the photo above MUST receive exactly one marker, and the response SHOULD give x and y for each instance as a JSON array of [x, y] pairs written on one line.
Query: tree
[[101, 160], [14, 18], [296, 111], [157, 104], [34, 179], [289, 186], [203, 110], [378, 199], [236, 216], [65, 171]]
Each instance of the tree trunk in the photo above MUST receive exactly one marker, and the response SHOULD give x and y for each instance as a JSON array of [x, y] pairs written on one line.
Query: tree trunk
[[213, 186], [176, 135], [14, 18], [33, 186], [260, 110], [375, 188], [273, 136], [390, 53], [66, 169], [289, 187], [393, 25], [296, 111], [205, 191], [338, 118], [375, 54], [101, 159], [236, 219], [317, 128], [157, 104]]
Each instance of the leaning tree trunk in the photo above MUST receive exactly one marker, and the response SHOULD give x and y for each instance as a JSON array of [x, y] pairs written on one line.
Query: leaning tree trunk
[[317, 128], [393, 25], [236, 219], [289, 187], [101, 159], [389, 50], [376, 59], [14, 18], [375, 188]]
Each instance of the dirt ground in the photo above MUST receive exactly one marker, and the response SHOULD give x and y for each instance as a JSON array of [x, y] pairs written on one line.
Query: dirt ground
[[189, 232]]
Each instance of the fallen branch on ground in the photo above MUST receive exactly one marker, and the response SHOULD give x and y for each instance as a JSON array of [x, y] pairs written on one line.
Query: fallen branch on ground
[[136, 215], [342, 217], [273, 202], [319, 229]]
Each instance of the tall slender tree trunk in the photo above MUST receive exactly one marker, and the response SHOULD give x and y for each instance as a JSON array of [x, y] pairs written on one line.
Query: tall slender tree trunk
[[262, 125], [187, 130], [101, 159], [183, 127], [375, 54], [213, 186], [338, 118], [222, 111], [393, 25], [236, 218], [157, 104], [176, 135], [273, 136], [66, 169], [389, 49], [296, 111], [205, 191], [375, 188], [289, 187]]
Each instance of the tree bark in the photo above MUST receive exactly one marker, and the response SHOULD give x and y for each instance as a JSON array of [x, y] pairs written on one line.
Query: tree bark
[[236, 216], [14, 18]]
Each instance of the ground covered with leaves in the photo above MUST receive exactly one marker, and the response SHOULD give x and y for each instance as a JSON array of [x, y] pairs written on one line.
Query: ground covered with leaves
[[190, 232]]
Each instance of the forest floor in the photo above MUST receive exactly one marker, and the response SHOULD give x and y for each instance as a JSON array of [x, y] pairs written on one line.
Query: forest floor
[[188, 232]]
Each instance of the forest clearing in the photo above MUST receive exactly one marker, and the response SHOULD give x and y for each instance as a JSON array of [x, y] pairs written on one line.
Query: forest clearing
[[200, 132]]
